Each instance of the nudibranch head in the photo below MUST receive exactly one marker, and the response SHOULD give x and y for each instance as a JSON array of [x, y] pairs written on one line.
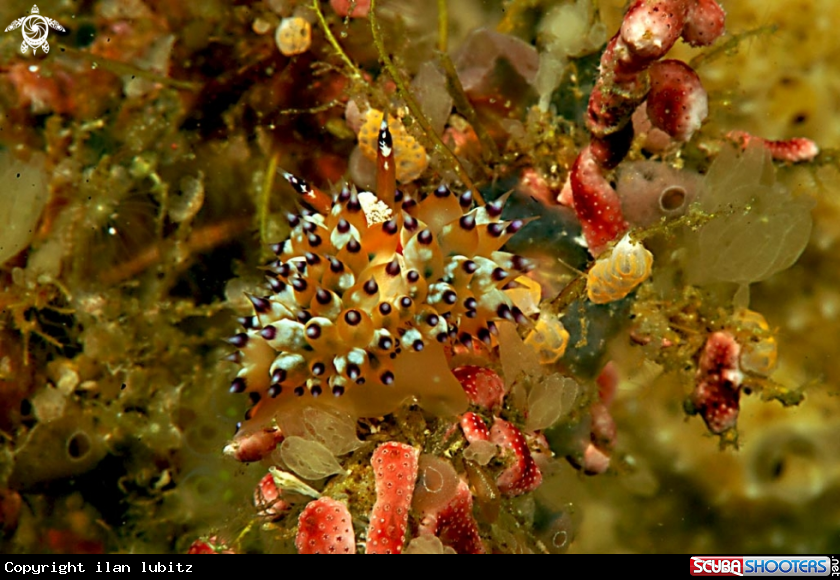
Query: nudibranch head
[[409, 156], [366, 284]]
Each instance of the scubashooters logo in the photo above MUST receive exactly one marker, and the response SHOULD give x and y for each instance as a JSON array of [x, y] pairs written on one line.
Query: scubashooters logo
[[35, 30], [760, 566], [716, 566]]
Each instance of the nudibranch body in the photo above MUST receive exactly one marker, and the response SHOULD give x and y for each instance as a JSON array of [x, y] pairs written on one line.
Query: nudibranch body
[[361, 305]]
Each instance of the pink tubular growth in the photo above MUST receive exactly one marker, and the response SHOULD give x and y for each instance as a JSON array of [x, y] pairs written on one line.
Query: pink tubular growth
[[596, 202], [454, 524], [483, 387], [676, 101], [719, 378], [268, 499], [351, 8], [522, 475], [789, 150], [474, 428], [325, 527], [395, 471], [254, 445]]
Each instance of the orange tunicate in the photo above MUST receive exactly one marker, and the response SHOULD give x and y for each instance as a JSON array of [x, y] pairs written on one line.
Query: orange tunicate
[[617, 274], [549, 338], [410, 157], [294, 35], [760, 352]]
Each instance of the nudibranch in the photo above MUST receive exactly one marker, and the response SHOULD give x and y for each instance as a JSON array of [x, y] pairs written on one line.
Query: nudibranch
[[368, 291]]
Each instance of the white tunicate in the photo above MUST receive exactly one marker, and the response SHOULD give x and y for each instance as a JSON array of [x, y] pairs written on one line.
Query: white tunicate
[[183, 207], [23, 195], [572, 29], [309, 459], [49, 404], [285, 481]]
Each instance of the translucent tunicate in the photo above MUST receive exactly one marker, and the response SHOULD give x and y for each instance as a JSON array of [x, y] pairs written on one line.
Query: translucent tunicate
[[487, 494], [184, 206], [556, 533], [309, 459], [429, 88], [437, 483], [22, 198], [757, 228], [516, 356], [203, 433], [63, 447], [336, 430], [427, 545], [550, 398], [201, 486], [793, 464], [480, 451]]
